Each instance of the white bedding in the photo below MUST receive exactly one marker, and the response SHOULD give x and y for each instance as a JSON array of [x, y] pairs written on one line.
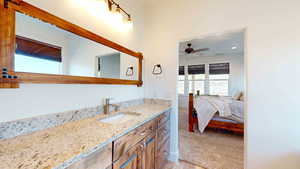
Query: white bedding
[[207, 107]]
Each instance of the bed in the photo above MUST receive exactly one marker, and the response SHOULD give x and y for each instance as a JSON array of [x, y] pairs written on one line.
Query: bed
[[215, 115]]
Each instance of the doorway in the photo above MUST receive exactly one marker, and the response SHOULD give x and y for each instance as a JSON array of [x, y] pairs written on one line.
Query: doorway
[[211, 76]]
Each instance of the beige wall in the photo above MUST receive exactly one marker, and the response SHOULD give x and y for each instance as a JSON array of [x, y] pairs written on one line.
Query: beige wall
[[272, 67], [38, 99]]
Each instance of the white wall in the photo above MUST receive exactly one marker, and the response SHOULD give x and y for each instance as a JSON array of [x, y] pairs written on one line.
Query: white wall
[[272, 56], [82, 59], [38, 99]]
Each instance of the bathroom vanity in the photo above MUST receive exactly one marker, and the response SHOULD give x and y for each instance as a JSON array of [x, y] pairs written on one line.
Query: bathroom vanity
[[135, 137], [145, 147]]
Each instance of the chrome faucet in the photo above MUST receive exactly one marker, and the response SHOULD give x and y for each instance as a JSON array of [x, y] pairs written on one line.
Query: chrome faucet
[[106, 107]]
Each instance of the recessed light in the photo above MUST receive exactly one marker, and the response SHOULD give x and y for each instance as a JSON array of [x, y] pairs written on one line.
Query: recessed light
[[233, 47]]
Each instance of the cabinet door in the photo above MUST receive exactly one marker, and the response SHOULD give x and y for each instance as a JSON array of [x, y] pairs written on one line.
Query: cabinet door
[[131, 159], [123, 144], [149, 152], [162, 155], [162, 143]]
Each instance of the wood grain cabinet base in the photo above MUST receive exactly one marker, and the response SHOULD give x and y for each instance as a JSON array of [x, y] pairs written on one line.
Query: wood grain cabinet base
[[146, 147], [163, 141], [132, 159], [150, 142]]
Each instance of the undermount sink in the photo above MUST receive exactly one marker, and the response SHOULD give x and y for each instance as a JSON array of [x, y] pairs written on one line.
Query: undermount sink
[[118, 118]]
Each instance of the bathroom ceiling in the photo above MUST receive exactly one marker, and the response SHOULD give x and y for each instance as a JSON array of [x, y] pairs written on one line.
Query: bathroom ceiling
[[219, 45]]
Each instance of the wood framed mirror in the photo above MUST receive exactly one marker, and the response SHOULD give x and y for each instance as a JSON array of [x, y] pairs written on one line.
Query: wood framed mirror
[[55, 51]]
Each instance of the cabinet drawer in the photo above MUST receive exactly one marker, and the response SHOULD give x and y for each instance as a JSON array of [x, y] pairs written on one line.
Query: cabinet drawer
[[163, 133], [163, 118], [100, 159], [162, 155], [124, 143]]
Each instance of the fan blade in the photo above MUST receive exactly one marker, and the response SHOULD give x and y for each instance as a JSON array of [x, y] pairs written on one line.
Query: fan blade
[[200, 50]]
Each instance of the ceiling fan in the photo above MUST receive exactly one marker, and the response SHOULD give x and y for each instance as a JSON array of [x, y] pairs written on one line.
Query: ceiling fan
[[190, 50]]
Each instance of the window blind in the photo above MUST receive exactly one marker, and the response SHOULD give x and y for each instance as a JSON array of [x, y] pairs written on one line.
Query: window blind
[[181, 70], [37, 49], [196, 69], [219, 68]]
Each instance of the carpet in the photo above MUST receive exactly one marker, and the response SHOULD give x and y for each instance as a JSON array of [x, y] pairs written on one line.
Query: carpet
[[212, 150]]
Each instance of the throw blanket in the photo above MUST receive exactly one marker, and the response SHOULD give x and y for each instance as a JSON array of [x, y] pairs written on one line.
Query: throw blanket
[[207, 106]]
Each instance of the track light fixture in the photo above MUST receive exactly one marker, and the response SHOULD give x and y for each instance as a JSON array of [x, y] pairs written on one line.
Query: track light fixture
[[115, 7]]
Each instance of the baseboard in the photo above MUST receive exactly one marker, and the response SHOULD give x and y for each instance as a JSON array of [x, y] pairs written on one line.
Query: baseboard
[[174, 156]]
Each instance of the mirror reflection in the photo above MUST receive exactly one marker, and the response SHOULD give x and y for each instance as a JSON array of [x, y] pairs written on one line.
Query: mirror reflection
[[44, 48]]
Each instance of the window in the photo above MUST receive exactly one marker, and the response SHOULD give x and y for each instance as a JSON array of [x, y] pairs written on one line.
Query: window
[[197, 83], [181, 84], [210, 79], [196, 78], [218, 79], [181, 78], [218, 84]]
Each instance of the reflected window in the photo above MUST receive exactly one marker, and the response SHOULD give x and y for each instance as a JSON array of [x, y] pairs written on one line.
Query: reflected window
[[25, 63], [37, 57]]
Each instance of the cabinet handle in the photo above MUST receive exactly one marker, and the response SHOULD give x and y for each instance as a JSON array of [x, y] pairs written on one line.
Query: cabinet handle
[[128, 161]]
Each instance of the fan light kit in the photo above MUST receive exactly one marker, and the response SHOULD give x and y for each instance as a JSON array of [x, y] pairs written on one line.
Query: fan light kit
[[190, 50]]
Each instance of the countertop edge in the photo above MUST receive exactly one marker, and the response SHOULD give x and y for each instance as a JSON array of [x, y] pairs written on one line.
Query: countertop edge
[[77, 158]]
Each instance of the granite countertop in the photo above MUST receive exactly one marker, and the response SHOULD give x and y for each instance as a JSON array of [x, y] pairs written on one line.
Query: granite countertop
[[61, 146]]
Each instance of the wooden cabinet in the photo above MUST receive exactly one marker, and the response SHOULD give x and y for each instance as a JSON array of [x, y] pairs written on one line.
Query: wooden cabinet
[[146, 147], [139, 156], [149, 152], [132, 159], [124, 143], [163, 133], [163, 141], [162, 153], [163, 118]]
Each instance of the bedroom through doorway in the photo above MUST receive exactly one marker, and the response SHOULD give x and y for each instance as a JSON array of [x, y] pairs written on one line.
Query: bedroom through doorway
[[211, 89]]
